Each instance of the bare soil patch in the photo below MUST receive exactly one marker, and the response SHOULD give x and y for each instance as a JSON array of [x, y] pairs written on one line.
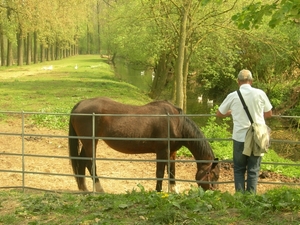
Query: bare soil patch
[[42, 145]]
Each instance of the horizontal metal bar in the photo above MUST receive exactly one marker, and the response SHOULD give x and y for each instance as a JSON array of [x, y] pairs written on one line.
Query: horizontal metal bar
[[130, 115]]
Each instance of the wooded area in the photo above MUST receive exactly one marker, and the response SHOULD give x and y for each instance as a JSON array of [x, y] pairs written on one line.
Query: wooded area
[[193, 46], [33, 31]]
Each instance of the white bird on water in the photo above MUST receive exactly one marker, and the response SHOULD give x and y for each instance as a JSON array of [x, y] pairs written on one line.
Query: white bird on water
[[210, 103], [200, 99]]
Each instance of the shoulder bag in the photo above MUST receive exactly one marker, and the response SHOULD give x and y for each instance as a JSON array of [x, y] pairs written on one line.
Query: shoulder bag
[[260, 132]]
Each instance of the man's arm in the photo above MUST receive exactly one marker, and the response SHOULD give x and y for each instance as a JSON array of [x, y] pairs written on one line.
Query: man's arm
[[219, 114], [268, 114]]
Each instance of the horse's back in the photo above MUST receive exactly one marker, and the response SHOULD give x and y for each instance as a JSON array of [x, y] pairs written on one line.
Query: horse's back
[[105, 105], [95, 105]]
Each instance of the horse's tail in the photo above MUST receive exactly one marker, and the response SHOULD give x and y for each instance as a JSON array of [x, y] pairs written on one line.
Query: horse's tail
[[74, 150]]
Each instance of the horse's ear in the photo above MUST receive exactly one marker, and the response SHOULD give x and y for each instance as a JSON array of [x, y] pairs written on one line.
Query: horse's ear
[[215, 163]]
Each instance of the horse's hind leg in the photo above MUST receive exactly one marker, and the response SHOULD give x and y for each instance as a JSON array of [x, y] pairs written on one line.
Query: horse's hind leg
[[173, 187], [98, 186], [89, 165], [81, 171], [160, 170]]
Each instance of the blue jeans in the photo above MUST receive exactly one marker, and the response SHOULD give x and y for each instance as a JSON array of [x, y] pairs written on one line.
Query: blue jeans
[[243, 163]]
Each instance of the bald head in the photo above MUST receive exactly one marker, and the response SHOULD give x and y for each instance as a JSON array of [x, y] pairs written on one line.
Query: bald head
[[245, 75]]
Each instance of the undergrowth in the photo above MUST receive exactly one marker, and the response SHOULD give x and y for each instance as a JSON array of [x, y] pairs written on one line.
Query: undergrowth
[[142, 207]]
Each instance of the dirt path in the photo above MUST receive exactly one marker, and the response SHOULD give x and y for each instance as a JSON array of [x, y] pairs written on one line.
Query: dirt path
[[58, 146]]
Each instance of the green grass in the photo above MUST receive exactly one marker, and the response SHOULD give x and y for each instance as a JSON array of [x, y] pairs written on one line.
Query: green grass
[[280, 206], [31, 89], [62, 87]]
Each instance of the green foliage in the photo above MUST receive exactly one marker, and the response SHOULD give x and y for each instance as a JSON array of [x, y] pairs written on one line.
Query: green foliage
[[44, 204], [287, 170], [140, 207], [252, 15], [214, 129], [279, 12], [53, 118], [183, 151], [277, 92], [219, 129]]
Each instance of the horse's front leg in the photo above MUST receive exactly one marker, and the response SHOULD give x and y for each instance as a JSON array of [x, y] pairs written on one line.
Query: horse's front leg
[[172, 182]]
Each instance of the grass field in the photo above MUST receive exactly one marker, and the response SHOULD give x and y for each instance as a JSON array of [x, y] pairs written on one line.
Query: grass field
[[34, 89], [30, 88]]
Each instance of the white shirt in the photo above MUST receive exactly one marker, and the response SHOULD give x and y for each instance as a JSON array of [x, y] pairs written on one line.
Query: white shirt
[[257, 103]]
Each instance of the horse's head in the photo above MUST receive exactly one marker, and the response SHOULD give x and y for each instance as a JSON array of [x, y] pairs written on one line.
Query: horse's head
[[208, 174]]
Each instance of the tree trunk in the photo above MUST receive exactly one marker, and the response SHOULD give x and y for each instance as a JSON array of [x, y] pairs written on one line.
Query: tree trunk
[[25, 49], [185, 74], [48, 52], [42, 49], [57, 51], [173, 93], [98, 25], [20, 47], [180, 58], [9, 60], [35, 48], [2, 50], [53, 52], [9, 55], [163, 75], [87, 40], [28, 51], [74, 49]]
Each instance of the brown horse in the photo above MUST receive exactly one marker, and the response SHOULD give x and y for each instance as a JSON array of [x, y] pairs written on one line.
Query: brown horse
[[149, 128]]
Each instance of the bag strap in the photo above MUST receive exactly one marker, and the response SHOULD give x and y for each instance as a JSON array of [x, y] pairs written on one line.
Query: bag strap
[[245, 106]]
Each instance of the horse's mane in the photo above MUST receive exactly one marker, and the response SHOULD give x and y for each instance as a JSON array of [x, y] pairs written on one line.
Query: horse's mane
[[191, 130]]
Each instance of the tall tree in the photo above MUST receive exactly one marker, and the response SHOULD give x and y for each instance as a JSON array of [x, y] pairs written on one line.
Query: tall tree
[[191, 21]]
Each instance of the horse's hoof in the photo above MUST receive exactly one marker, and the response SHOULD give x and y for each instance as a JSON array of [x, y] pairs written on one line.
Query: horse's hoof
[[100, 190], [98, 187], [174, 189]]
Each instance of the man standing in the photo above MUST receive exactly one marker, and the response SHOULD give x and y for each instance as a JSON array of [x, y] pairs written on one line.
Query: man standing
[[260, 108]]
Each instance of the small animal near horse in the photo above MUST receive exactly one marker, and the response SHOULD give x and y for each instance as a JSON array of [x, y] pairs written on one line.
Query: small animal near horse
[[139, 126]]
